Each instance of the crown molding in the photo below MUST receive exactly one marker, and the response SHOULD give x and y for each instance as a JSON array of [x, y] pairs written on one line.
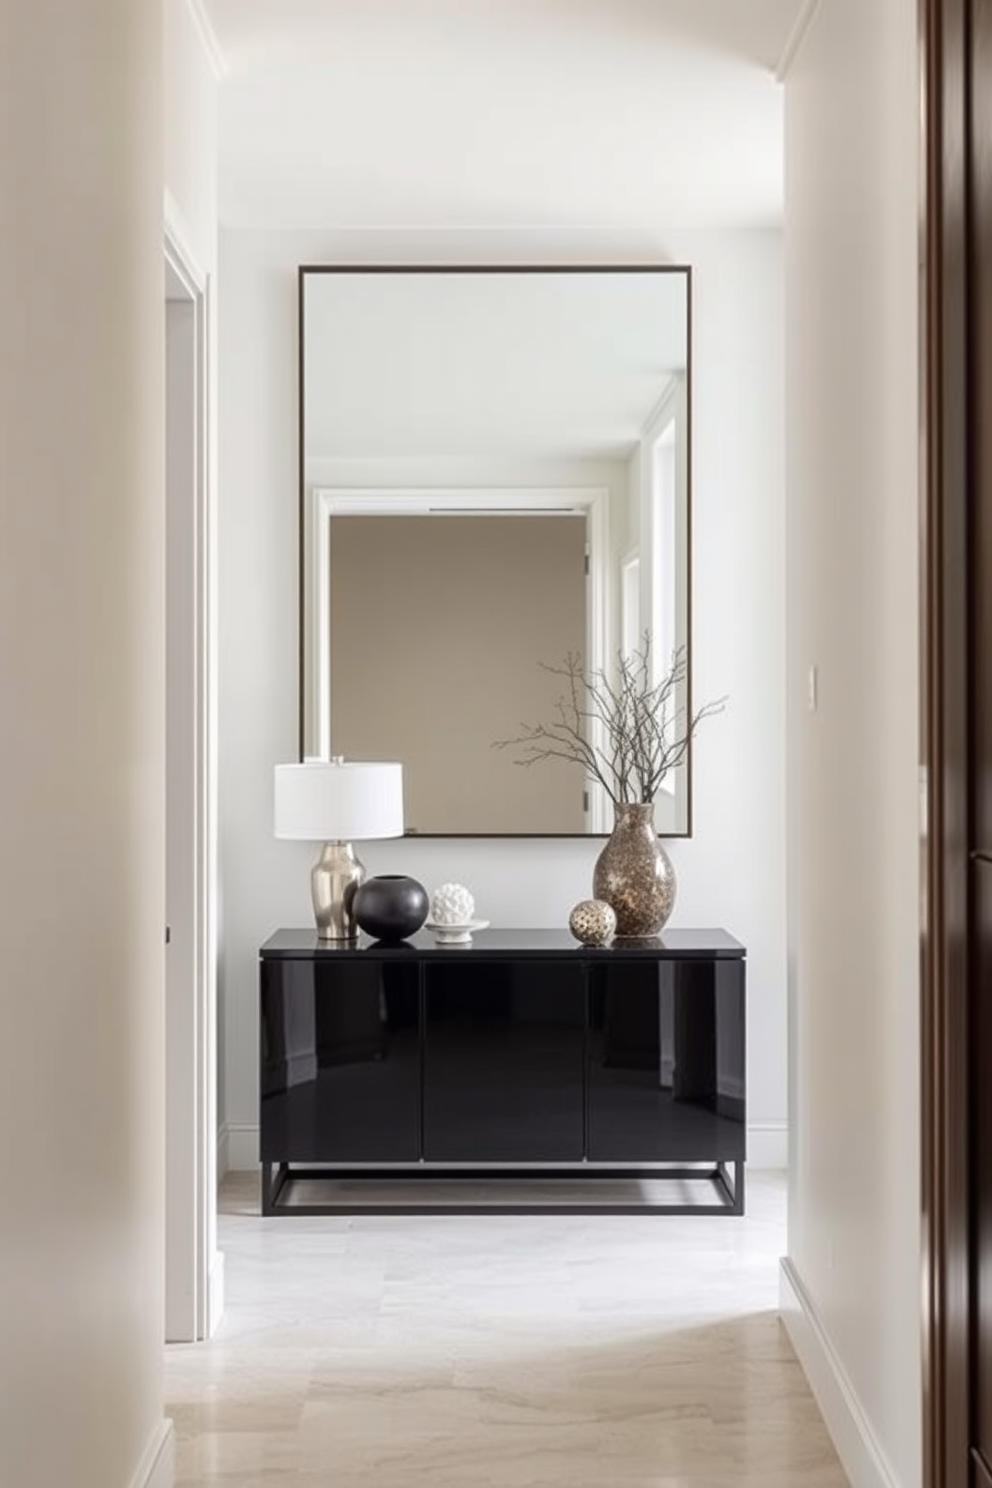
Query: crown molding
[[796, 38], [208, 35]]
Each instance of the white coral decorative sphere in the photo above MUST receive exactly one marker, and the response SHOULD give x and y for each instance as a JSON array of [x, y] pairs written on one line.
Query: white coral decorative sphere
[[452, 905]]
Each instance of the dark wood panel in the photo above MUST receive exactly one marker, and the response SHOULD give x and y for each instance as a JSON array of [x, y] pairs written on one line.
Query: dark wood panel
[[980, 989], [981, 1149], [945, 685], [980, 409]]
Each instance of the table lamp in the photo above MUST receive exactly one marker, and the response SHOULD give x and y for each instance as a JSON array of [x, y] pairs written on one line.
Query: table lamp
[[334, 802]]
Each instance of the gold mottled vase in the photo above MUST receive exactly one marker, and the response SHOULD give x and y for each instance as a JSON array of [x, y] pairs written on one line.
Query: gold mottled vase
[[634, 874]]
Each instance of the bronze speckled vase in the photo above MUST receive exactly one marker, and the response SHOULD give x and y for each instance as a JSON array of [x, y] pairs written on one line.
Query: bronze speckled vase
[[634, 874]]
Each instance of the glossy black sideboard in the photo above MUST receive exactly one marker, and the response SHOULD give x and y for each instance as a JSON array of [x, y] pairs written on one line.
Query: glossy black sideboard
[[523, 1055]]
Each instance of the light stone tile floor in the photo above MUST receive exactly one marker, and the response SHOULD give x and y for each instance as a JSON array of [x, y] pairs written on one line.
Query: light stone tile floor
[[641, 1351]]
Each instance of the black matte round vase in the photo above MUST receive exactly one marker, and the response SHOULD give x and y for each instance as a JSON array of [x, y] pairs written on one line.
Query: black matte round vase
[[390, 906]]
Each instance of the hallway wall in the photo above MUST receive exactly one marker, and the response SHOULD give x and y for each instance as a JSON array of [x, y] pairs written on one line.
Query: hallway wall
[[191, 117], [738, 646], [81, 746], [852, 1280]]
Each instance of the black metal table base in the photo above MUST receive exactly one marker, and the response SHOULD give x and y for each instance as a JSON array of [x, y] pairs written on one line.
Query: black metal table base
[[277, 1180]]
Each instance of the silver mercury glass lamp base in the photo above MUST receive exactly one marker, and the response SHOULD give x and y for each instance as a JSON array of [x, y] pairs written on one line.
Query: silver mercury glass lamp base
[[333, 880]]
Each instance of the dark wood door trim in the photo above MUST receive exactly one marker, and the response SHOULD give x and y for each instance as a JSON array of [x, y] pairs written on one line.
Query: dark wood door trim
[[944, 653]]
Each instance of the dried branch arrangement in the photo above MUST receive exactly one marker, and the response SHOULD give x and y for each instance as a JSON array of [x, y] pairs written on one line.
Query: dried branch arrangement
[[636, 720]]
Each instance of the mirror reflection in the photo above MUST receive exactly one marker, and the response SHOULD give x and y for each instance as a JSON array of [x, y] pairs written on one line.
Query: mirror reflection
[[494, 471]]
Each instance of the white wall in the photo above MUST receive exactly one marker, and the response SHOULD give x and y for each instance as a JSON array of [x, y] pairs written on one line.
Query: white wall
[[852, 1281], [191, 131], [81, 746], [732, 872]]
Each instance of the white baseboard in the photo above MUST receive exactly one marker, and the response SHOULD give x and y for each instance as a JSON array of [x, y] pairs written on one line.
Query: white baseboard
[[768, 1144], [242, 1147], [237, 1146], [223, 1151], [157, 1468], [861, 1456], [215, 1293]]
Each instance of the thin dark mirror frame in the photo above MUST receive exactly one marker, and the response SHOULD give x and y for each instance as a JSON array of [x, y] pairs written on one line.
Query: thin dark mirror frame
[[306, 271]]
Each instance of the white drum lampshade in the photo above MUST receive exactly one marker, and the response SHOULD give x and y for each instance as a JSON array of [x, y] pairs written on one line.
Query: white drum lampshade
[[337, 802], [330, 801]]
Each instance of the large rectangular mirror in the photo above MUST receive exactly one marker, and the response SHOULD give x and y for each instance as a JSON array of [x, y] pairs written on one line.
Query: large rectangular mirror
[[494, 474]]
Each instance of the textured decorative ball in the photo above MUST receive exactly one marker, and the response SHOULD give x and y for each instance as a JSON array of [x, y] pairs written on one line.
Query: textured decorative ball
[[592, 921], [452, 905], [391, 906]]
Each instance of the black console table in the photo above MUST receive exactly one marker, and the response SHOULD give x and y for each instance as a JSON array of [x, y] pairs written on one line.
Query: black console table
[[522, 1055]]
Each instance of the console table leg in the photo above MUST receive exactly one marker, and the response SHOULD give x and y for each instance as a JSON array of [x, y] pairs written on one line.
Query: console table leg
[[273, 1181], [735, 1190]]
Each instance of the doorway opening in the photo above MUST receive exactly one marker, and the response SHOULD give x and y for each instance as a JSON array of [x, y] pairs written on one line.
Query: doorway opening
[[194, 1267]]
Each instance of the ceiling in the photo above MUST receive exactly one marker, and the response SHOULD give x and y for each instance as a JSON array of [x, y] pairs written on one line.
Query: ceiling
[[502, 113]]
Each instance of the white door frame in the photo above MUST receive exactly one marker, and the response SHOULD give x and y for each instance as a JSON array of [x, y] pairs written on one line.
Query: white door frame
[[194, 1269]]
